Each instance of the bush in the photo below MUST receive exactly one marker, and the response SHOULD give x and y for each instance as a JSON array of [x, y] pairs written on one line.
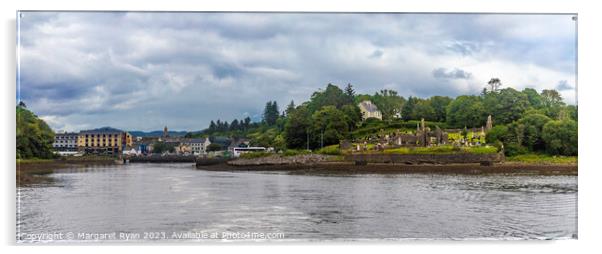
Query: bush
[[513, 149], [497, 134], [330, 150], [560, 137]]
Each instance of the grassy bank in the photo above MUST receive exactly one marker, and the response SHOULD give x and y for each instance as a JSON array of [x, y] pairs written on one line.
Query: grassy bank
[[442, 150], [542, 159]]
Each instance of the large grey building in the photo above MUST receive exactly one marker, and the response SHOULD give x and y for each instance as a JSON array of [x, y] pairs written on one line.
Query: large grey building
[[65, 142]]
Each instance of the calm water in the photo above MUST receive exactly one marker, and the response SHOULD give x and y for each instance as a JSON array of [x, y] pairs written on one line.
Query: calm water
[[171, 201]]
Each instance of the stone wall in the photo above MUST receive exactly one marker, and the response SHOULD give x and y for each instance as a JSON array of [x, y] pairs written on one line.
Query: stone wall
[[426, 158]]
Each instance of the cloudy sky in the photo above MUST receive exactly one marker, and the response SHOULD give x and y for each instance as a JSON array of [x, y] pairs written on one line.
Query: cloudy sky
[[142, 71]]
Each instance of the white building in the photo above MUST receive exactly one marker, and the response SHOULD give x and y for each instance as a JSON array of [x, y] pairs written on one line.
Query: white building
[[197, 145], [369, 110]]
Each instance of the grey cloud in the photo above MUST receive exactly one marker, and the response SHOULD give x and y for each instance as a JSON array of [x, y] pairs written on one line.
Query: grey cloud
[[147, 70], [443, 73], [563, 85]]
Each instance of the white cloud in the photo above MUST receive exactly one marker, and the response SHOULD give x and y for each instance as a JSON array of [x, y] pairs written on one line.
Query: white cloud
[[147, 70]]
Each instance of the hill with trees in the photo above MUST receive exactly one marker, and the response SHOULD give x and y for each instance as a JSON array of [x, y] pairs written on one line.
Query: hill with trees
[[34, 137], [524, 121]]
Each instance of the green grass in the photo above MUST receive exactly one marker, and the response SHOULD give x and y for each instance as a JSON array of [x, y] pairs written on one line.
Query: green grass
[[34, 160], [330, 150], [543, 158], [254, 155], [442, 150]]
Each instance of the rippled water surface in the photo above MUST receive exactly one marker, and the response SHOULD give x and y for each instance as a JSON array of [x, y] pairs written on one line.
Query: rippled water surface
[[168, 198]]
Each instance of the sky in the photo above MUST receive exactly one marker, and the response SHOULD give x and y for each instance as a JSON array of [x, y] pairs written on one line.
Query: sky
[[147, 70]]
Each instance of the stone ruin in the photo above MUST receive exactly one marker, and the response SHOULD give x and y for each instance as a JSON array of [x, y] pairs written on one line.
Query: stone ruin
[[423, 136]]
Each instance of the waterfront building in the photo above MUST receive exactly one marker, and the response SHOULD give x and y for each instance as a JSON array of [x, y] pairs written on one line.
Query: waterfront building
[[197, 145], [65, 142], [105, 140], [369, 110]]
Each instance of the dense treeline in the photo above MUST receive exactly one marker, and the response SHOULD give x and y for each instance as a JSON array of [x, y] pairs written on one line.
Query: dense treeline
[[525, 121], [34, 137]]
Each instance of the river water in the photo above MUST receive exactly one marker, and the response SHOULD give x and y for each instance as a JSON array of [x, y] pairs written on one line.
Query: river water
[[175, 202]]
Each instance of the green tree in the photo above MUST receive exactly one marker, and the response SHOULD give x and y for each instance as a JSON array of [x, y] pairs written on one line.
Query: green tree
[[389, 103], [34, 136], [423, 109], [271, 113], [560, 137], [494, 84], [532, 131], [439, 104], [353, 114], [534, 98], [296, 128], [407, 110], [551, 103], [506, 105], [498, 133], [466, 110], [214, 147], [331, 96], [161, 147], [330, 125]]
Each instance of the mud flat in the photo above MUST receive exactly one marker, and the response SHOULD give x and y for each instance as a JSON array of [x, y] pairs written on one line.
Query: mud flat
[[344, 167], [35, 172]]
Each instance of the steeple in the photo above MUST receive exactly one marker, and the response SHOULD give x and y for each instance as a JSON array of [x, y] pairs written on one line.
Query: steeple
[[165, 132]]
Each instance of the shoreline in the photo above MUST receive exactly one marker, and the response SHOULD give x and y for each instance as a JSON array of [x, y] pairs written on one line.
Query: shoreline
[[386, 168], [35, 171]]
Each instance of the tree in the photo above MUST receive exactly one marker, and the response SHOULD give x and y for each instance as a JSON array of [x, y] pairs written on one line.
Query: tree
[[423, 109], [439, 104], [560, 137], [532, 126], [34, 136], [498, 133], [551, 103], [506, 106], [331, 96], [296, 128], [494, 84], [271, 113], [350, 93], [214, 147], [212, 126], [290, 108], [235, 126], [329, 126], [466, 110], [353, 114], [247, 123], [161, 147], [407, 110], [534, 98], [389, 103]]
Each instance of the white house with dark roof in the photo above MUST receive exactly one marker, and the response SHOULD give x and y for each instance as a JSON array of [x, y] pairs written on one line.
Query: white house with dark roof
[[369, 110]]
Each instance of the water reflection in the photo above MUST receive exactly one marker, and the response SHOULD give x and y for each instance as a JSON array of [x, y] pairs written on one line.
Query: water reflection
[[175, 197]]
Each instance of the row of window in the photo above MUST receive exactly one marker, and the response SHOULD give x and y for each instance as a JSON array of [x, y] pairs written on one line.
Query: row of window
[[103, 135], [64, 141], [65, 137]]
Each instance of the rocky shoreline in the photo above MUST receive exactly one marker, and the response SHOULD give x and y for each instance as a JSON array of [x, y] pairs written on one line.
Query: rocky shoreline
[[383, 168], [313, 163]]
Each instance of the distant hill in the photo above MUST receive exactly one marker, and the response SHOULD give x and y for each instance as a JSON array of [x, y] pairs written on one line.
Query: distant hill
[[157, 133]]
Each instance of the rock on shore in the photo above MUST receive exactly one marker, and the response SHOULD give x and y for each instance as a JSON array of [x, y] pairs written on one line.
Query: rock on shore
[[306, 159]]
